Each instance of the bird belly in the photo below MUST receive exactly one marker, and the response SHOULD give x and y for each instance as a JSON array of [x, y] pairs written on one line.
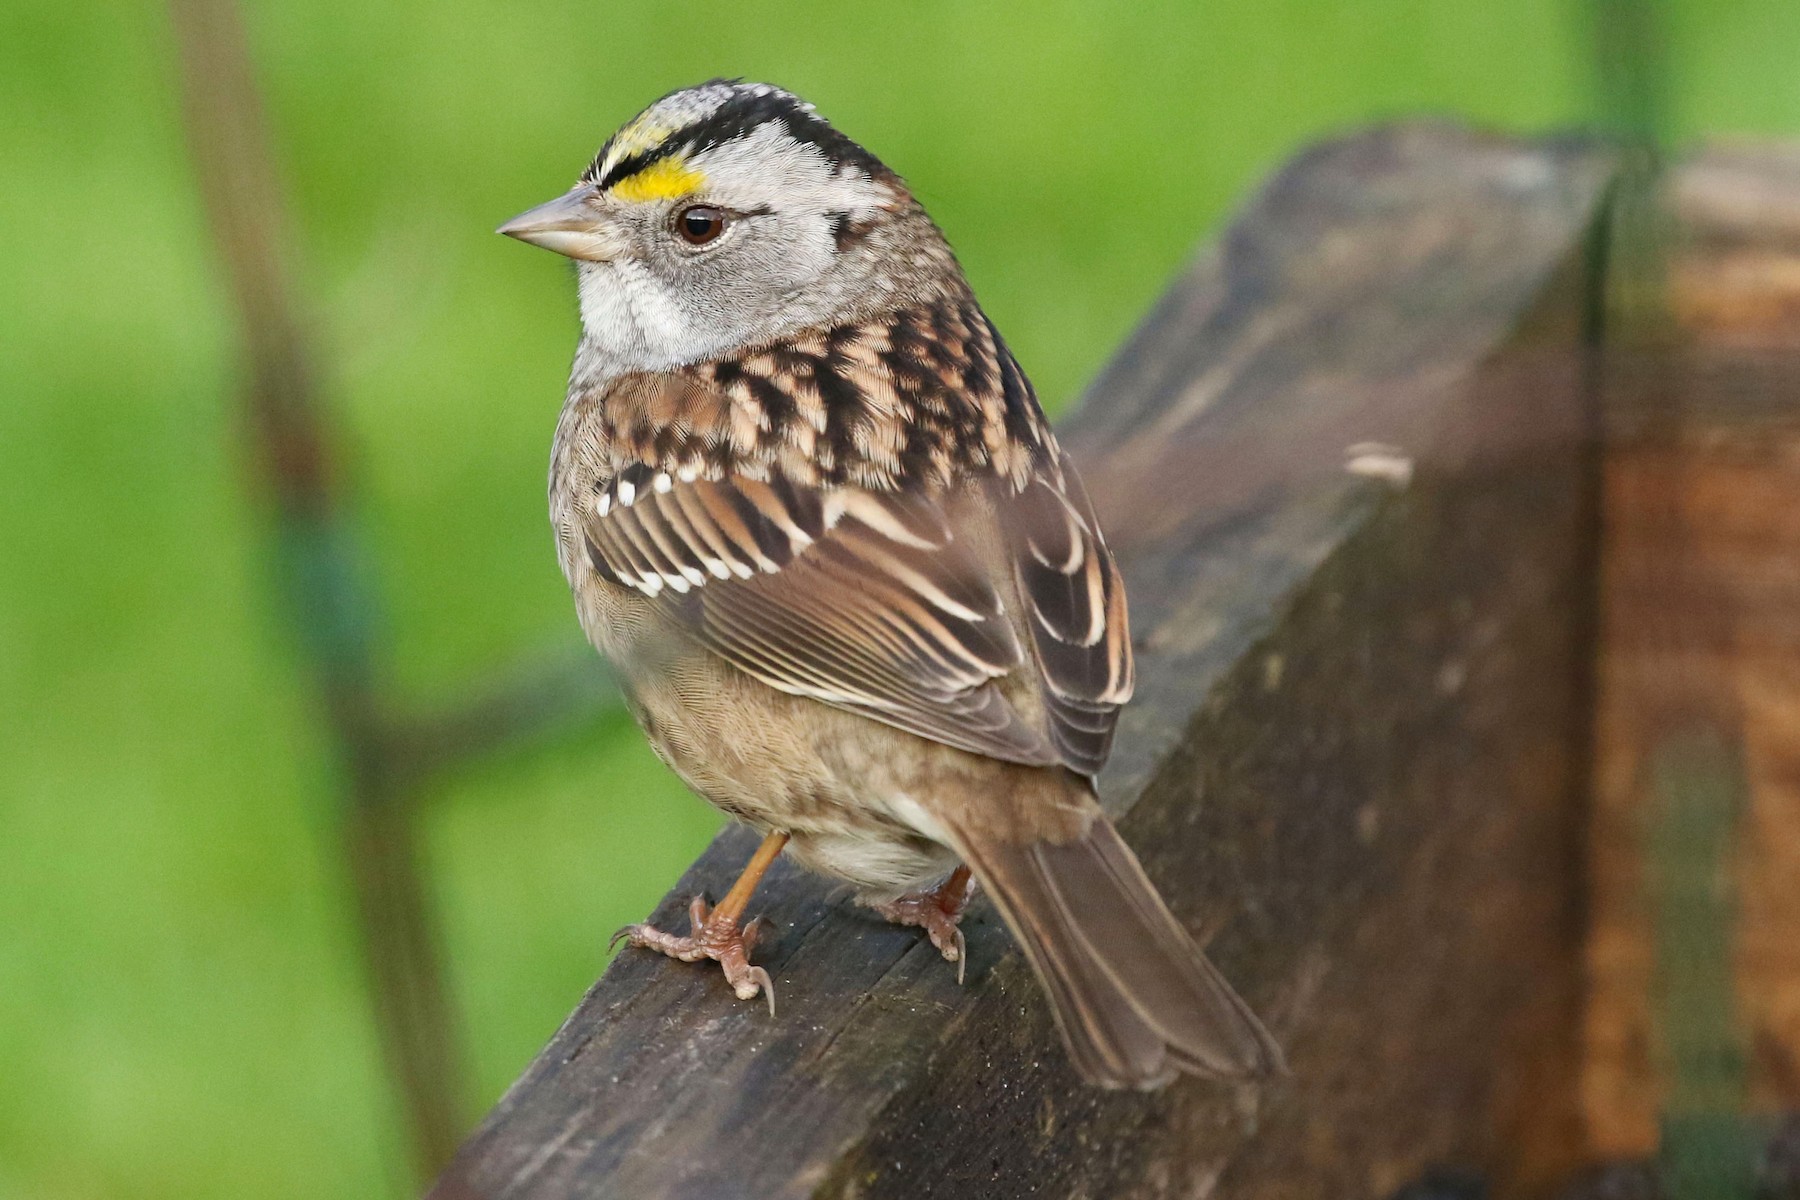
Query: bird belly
[[780, 762], [758, 759]]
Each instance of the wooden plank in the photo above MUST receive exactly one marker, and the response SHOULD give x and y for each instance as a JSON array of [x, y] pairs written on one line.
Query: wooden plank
[[1701, 644], [1353, 765]]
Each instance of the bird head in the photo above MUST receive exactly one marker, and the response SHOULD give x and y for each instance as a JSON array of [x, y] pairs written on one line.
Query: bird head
[[730, 215]]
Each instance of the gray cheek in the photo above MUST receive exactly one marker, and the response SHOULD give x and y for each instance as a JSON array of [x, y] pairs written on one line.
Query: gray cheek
[[753, 287], [665, 306]]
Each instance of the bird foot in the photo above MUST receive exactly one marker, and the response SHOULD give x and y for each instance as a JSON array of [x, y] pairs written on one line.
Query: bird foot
[[939, 913], [716, 936]]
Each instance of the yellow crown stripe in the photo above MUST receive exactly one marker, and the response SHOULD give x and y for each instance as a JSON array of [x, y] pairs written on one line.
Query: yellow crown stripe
[[664, 179]]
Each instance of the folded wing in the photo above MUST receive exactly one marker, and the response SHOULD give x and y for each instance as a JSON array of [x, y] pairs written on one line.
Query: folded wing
[[874, 601], [1079, 632], [860, 600]]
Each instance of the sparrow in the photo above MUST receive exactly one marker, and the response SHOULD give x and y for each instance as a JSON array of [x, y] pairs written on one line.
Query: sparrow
[[853, 589]]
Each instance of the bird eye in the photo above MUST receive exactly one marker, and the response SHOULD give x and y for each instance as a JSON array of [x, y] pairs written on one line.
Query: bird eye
[[699, 224]]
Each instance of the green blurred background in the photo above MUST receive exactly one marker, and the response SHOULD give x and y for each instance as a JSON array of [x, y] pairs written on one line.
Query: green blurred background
[[181, 1006]]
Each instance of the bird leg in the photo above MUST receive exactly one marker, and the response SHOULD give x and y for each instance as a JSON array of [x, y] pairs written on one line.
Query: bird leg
[[715, 932], [938, 913]]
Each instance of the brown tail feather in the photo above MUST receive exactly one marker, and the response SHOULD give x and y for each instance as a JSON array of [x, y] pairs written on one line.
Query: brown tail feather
[[1136, 1000]]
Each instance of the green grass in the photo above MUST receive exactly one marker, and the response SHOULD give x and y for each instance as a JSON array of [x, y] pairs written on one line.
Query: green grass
[[180, 1013]]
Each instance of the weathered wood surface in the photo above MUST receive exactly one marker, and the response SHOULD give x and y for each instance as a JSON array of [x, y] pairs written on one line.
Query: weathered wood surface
[[1694, 1003], [1353, 766]]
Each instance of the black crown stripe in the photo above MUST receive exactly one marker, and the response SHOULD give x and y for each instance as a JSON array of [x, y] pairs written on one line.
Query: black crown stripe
[[744, 112]]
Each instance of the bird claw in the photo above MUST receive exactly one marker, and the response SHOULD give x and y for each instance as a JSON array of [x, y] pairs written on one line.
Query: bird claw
[[717, 938], [939, 913], [753, 981]]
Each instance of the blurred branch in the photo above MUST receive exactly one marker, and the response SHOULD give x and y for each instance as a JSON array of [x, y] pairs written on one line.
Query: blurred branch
[[329, 600], [533, 698], [1629, 41], [329, 597], [1700, 795]]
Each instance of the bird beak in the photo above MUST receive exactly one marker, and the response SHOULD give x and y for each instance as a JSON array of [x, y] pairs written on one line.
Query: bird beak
[[569, 224]]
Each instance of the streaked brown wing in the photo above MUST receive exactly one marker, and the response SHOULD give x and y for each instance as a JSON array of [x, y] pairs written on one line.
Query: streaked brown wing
[[862, 600], [1080, 633]]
